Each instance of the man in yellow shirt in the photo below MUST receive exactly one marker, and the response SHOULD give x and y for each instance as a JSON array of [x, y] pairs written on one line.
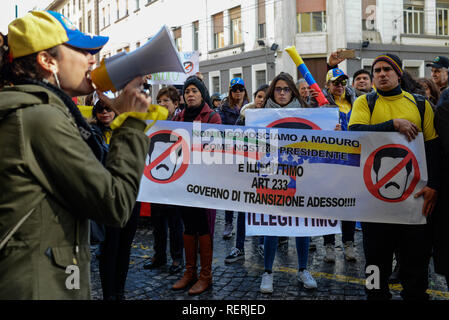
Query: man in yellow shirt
[[397, 110]]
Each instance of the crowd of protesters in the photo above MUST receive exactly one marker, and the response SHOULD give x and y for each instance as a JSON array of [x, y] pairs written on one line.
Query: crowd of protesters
[[61, 171]]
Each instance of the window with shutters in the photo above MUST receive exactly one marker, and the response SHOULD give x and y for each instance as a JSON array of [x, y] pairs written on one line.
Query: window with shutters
[[413, 17], [442, 12], [311, 15], [261, 22], [195, 35], [236, 25], [368, 15], [178, 38], [218, 30], [89, 22]]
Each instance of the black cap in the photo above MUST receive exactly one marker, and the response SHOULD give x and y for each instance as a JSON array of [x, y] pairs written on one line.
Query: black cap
[[197, 82], [215, 96], [439, 62]]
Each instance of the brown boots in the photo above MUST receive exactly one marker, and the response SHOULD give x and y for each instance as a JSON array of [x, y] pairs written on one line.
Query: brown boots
[[205, 280], [190, 275]]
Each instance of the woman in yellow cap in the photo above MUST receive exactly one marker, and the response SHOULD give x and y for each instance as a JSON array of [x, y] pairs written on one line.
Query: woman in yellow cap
[[51, 176]]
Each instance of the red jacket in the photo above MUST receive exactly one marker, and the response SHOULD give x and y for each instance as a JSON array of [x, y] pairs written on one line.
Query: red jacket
[[207, 115]]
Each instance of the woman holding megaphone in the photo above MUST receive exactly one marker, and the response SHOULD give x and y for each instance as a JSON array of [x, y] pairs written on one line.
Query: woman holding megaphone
[[51, 176]]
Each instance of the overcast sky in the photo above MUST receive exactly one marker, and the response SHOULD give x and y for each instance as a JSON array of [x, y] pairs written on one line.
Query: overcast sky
[[8, 12]]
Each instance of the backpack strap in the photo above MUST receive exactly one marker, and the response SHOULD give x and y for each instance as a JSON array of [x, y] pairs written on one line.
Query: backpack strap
[[420, 103], [371, 98]]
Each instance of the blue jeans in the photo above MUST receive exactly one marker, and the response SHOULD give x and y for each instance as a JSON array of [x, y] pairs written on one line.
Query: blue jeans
[[271, 244], [241, 232]]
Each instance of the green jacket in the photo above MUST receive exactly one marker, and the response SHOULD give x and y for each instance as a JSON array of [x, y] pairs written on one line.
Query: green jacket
[[45, 166]]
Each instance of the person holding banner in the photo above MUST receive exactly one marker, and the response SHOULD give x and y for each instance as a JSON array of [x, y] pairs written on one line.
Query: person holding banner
[[238, 252], [166, 216], [282, 93], [198, 222], [229, 112], [391, 109], [52, 175], [340, 95]]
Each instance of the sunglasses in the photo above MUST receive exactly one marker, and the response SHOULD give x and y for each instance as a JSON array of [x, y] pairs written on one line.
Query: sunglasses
[[338, 82], [279, 89], [100, 109], [237, 89]]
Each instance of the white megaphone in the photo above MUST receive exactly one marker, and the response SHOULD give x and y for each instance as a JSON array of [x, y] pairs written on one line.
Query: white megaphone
[[157, 55]]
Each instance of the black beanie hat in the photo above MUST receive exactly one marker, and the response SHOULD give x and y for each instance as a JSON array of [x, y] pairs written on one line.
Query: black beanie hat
[[197, 82], [393, 60]]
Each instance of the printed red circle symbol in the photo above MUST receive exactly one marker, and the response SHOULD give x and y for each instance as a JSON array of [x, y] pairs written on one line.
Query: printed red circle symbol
[[294, 123], [188, 66], [396, 151], [173, 148]]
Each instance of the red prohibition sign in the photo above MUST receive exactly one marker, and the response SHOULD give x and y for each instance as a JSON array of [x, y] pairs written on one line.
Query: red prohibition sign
[[188, 66], [165, 154], [294, 123], [373, 188]]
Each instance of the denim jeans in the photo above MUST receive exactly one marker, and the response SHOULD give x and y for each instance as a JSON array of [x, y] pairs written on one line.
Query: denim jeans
[[270, 247], [241, 232]]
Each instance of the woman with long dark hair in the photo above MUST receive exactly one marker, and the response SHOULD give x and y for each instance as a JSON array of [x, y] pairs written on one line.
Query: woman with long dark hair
[[283, 93], [431, 90]]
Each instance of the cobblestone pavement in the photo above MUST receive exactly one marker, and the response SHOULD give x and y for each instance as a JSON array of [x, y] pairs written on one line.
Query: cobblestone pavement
[[241, 280]]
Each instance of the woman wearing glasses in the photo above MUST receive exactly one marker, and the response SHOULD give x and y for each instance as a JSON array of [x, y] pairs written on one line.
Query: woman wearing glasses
[[282, 93], [229, 113]]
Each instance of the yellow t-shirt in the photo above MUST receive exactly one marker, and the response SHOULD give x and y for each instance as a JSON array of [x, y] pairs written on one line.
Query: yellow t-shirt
[[394, 107], [343, 104]]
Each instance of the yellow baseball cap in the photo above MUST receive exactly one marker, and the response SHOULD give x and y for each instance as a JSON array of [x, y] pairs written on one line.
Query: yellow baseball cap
[[41, 30], [334, 74]]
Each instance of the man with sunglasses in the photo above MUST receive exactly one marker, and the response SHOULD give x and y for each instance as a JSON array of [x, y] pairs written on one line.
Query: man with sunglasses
[[339, 94], [342, 96]]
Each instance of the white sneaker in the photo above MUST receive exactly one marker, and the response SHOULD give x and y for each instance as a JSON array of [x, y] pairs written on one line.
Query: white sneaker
[[349, 251], [330, 253], [236, 254], [227, 233], [267, 283], [307, 280]]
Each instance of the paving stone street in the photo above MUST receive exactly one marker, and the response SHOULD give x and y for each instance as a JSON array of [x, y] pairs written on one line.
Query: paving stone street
[[342, 280]]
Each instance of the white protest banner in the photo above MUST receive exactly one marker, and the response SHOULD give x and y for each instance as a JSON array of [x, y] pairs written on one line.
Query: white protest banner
[[190, 61], [338, 175], [271, 225], [304, 118]]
